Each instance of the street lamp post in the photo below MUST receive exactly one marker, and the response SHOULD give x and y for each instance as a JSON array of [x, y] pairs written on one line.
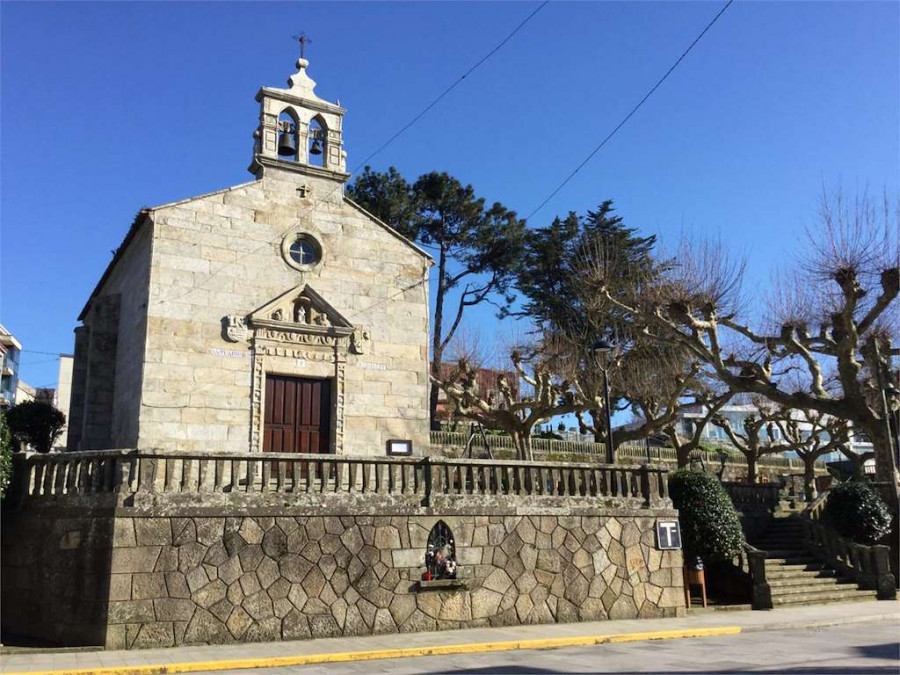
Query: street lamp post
[[602, 352], [888, 393]]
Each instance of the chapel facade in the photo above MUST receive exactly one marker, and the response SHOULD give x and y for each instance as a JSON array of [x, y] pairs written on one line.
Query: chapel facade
[[272, 316]]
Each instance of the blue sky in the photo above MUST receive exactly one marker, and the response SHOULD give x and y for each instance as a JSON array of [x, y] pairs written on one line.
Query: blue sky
[[108, 107]]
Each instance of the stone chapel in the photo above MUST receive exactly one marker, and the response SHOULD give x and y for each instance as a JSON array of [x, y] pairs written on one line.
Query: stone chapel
[[272, 316]]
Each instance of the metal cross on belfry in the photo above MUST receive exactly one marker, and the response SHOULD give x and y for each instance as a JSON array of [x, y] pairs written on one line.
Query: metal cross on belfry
[[303, 40]]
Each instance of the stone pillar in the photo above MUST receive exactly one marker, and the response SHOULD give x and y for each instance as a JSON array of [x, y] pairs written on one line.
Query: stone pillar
[[79, 389], [101, 373]]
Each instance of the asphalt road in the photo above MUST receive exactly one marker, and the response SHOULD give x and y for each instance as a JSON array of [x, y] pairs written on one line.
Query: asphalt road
[[857, 649]]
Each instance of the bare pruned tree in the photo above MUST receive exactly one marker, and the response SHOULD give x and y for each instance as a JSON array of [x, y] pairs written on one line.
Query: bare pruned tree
[[543, 397], [838, 335], [811, 435], [686, 443]]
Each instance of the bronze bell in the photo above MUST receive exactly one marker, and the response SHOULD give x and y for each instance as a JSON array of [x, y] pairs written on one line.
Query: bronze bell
[[316, 148], [287, 143]]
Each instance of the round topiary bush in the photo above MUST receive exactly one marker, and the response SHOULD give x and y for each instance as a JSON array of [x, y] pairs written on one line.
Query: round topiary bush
[[710, 527], [857, 512]]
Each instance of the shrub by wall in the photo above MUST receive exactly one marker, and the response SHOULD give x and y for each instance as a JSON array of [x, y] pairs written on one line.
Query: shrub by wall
[[710, 527], [857, 512]]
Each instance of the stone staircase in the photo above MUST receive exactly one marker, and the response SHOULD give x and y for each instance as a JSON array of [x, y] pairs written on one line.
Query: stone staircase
[[795, 577]]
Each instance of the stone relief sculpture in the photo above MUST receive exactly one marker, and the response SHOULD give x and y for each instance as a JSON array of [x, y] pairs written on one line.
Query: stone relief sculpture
[[359, 340], [235, 328]]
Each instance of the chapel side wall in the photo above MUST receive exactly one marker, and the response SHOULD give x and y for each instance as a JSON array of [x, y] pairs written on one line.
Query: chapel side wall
[[220, 255], [109, 355], [131, 280], [148, 580]]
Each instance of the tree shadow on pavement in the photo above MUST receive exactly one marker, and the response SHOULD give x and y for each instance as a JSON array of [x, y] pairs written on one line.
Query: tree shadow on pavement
[[889, 650], [812, 670]]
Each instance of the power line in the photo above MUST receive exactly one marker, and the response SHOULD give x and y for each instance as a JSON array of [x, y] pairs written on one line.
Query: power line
[[633, 111], [455, 84], [35, 351], [384, 145]]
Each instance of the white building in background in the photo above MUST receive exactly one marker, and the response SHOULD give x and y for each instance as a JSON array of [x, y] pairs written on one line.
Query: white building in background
[[736, 414], [714, 435], [24, 392], [63, 393], [10, 351]]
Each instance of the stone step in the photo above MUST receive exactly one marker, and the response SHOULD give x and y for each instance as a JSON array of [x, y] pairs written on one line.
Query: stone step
[[840, 586], [775, 534], [793, 570], [784, 529], [822, 598], [776, 575], [794, 562], [785, 554], [806, 579]]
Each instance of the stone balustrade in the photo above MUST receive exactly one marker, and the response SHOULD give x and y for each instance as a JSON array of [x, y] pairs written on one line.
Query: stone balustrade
[[156, 549], [753, 562], [625, 452], [748, 497], [868, 565], [130, 475]]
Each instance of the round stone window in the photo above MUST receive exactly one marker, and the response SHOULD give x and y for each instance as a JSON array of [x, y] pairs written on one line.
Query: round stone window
[[301, 250]]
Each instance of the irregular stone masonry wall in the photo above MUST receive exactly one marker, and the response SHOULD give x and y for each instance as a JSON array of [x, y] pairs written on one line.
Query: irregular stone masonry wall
[[194, 580]]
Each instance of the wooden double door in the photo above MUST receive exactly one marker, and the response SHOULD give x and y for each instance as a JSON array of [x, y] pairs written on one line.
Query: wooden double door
[[297, 415]]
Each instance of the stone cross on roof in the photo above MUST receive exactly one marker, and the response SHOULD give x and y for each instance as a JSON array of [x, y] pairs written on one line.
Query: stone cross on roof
[[303, 40]]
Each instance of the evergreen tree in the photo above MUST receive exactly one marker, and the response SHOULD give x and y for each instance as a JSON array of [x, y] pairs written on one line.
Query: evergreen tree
[[549, 277], [478, 248]]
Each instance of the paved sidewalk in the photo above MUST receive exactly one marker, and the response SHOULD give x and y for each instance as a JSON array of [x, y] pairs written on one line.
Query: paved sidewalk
[[471, 640]]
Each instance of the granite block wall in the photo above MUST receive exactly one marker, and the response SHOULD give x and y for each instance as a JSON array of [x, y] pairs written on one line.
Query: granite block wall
[[161, 580]]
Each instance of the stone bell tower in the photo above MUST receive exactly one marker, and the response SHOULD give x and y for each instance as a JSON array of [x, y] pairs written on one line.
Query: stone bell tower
[[298, 131]]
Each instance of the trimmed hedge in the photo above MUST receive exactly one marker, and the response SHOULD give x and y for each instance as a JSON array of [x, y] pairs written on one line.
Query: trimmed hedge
[[710, 526], [857, 512], [6, 451]]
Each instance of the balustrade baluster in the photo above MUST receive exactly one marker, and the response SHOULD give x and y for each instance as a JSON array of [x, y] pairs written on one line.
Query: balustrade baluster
[[107, 478], [169, 474], [351, 476], [47, 481], [124, 472], [265, 475], [403, 478], [184, 483], [84, 485], [204, 469], [366, 474], [213, 478], [59, 478], [72, 476], [251, 475], [338, 476], [96, 474], [281, 467], [234, 466], [310, 475]]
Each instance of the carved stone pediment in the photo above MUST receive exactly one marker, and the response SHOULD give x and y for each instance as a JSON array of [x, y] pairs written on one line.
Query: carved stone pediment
[[301, 310]]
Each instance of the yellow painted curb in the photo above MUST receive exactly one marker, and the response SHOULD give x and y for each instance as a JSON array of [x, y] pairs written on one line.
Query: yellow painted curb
[[402, 652]]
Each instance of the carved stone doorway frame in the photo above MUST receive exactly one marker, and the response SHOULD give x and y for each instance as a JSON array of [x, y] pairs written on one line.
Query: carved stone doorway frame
[[301, 349]]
